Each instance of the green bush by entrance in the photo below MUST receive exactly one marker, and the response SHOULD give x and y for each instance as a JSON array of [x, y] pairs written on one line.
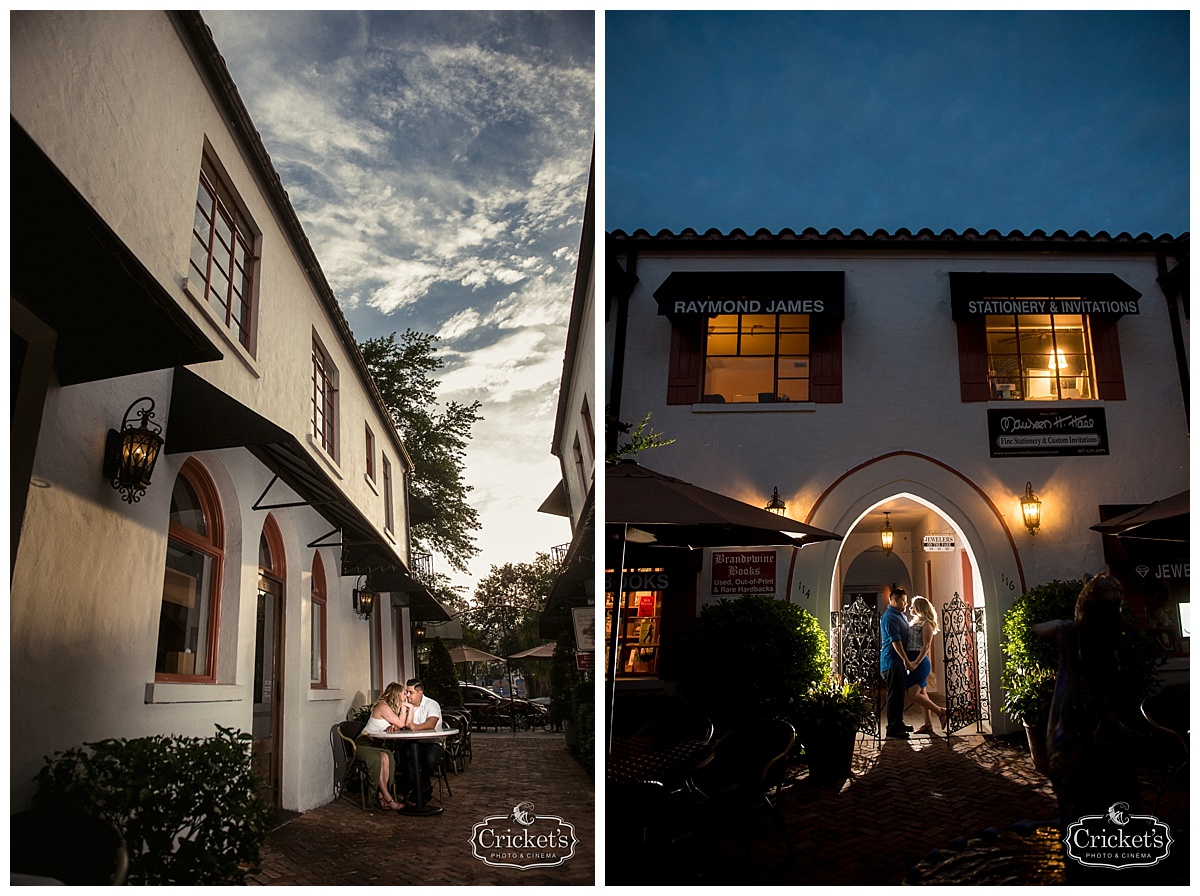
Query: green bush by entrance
[[188, 807]]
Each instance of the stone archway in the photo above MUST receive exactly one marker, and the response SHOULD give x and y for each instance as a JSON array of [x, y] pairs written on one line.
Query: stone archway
[[974, 516]]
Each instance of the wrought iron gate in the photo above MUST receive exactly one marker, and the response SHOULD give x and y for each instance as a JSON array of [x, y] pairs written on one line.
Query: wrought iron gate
[[854, 645], [965, 666]]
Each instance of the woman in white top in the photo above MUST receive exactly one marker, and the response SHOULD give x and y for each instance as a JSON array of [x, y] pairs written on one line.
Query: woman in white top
[[390, 713], [921, 631]]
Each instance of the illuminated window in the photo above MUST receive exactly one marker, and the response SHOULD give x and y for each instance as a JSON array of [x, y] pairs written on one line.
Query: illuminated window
[[188, 617], [757, 358], [641, 621], [1040, 357]]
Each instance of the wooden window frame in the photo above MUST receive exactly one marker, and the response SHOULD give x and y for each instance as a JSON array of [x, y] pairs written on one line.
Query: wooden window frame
[[324, 399], [212, 546], [389, 521], [370, 449], [217, 201], [320, 645]]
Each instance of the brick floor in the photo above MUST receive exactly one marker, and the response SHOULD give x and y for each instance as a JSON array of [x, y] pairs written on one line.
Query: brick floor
[[341, 844]]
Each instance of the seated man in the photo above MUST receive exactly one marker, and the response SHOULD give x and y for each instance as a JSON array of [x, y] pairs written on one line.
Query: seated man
[[426, 716]]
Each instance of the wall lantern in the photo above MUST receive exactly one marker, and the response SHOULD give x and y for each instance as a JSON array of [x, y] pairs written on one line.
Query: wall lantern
[[364, 600], [776, 505], [1031, 510], [129, 455], [886, 536], [419, 632]]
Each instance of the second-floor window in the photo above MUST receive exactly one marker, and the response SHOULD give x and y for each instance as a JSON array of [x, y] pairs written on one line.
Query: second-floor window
[[222, 254], [388, 520], [1039, 357], [324, 400], [370, 454], [757, 358]]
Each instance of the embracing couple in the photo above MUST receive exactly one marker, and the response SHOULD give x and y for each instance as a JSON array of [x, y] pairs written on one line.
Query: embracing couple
[[904, 661]]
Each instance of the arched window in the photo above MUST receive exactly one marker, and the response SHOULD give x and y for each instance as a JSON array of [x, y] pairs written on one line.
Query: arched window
[[191, 599], [320, 624]]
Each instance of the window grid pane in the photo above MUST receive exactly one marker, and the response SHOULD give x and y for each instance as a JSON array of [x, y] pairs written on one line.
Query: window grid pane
[[1039, 357], [220, 255], [757, 358]]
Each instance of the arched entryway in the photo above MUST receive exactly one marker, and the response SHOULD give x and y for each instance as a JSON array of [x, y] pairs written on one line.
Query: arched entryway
[[921, 497], [267, 744]]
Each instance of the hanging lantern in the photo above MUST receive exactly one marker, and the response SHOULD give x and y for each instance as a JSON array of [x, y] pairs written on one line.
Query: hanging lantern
[[130, 454], [1031, 510], [886, 536]]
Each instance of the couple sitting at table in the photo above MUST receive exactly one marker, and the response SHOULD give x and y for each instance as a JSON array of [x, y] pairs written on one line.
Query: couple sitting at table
[[401, 707]]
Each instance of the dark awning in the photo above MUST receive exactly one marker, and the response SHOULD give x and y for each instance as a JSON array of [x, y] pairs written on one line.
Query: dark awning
[[111, 316], [575, 584], [979, 293], [557, 502], [753, 292], [1165, 520], [203, 418]]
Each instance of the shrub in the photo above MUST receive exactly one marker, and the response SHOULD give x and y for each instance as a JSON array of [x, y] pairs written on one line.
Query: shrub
[[188, 807], [752, 656], [441, 681], [1030, 663], [583, 703], [563, 678]]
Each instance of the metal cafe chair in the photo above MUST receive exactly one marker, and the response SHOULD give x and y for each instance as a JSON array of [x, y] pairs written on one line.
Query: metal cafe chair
[[347, 765]]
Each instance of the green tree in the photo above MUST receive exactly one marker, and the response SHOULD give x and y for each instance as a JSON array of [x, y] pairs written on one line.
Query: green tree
[[508, 603], [441, 680], [639, 437], [435, 436]]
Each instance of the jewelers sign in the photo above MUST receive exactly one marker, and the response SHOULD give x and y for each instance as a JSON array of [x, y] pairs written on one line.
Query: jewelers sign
[[743, 572], [1067, 432]]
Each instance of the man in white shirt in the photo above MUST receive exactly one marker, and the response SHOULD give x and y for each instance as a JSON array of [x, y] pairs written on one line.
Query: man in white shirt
[[427, 716]]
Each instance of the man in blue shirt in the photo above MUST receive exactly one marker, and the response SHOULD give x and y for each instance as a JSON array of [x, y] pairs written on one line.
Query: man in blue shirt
[[893, 661]]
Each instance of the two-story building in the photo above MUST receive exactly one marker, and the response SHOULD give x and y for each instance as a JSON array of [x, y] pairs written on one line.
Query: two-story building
[[909, 392], [165, 298]]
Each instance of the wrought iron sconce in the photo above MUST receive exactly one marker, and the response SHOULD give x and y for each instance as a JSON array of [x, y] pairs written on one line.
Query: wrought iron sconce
[[419, 632], [1031, 510], [887, 537], [364, 599], [776, 505], [130, 454]]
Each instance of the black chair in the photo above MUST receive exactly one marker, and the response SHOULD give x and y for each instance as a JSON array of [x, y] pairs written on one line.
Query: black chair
[[347, 765], [67, 846], [1169, 716], [455, 746]]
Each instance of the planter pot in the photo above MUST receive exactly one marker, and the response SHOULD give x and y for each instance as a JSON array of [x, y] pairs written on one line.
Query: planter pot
[[1036, 735], [830, 754]]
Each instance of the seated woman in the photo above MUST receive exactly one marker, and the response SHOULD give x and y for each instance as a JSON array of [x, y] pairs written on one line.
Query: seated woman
[[390, 713], [920, 641]]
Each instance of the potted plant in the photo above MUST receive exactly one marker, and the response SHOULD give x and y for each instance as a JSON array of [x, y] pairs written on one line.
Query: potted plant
[[827, 718], [1030, 664]]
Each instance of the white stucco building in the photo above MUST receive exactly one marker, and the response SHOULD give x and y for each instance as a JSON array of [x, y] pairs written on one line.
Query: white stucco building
[[918, 381], [155, 256], [574, 441]]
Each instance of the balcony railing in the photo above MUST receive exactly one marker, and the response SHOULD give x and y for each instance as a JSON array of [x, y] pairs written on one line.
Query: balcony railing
[[558, 553], [422, 564]]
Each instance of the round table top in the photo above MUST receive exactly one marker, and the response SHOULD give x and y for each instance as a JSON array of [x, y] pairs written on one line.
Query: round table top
[[408, 734]]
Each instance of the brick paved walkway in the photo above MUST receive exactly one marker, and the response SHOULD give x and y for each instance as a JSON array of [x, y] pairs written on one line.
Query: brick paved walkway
[[341, 844]]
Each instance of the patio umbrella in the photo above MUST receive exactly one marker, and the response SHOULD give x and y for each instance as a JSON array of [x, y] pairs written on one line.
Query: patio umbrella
[[646, 507], [464, 654], [544, 652], [1165, 520]]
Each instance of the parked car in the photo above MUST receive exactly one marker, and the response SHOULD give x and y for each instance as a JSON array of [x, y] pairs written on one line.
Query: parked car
[[490, 710]]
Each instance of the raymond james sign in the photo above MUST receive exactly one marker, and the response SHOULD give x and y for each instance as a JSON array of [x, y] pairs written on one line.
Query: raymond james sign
[[1058, 432]]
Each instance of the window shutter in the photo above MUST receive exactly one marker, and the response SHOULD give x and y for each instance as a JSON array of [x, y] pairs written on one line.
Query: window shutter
[[972, 360], [825, 347], [1106, 353], [687, 360]]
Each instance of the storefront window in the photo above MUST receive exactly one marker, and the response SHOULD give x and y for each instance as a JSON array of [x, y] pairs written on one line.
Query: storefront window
[[641, 623], [1039, 357], [757, 358]]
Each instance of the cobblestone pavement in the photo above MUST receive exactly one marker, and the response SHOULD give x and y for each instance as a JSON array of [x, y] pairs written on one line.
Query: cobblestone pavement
[[342, 844], [903, 801]]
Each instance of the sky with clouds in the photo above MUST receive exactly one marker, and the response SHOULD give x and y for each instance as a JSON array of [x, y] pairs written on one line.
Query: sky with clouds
[[1006, 120], [438, 162]]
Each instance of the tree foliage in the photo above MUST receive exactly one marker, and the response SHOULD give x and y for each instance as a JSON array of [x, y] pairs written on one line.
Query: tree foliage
[[508, 603], [639, 437], [435, 436], [441, 679]]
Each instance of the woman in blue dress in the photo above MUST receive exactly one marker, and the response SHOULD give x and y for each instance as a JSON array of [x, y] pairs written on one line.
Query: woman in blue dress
[[920, 642]]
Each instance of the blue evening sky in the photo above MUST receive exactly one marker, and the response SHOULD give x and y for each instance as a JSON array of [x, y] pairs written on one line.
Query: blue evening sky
[[438, 162], [1006, 120]]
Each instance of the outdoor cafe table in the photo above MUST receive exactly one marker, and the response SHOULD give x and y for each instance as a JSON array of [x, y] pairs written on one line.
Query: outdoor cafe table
[[413, 737], [634, 760]]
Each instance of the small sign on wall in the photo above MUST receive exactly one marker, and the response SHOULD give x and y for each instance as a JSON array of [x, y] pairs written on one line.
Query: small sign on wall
[[933, 543], [743, 572]]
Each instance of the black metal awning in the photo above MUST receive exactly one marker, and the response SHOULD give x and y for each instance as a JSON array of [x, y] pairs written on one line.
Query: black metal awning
[[575, 585], [203, 418], [709, 293], [111, 316], [979, 293]]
